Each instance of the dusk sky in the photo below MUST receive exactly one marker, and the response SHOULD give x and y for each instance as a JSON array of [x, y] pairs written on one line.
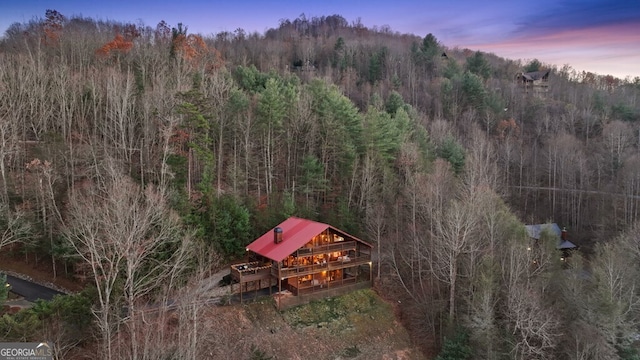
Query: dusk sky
[[601, 36]]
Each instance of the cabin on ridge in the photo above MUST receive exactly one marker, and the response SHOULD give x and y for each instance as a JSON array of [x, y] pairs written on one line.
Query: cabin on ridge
[[306, 260], [535, 81]]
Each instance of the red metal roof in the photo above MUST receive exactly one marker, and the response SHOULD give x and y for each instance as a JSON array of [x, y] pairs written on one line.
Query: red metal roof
[[295, 233]]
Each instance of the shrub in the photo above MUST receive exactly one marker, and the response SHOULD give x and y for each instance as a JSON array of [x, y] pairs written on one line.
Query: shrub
[[457, 347]]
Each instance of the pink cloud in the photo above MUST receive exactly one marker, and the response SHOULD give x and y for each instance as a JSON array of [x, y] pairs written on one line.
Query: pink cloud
[[611, 49]]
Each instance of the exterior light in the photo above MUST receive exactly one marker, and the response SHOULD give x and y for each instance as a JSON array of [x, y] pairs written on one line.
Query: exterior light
[[561, 259], [529, 248]]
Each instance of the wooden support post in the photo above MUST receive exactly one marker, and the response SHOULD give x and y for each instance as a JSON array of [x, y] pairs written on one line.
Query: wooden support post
[[279, 290]]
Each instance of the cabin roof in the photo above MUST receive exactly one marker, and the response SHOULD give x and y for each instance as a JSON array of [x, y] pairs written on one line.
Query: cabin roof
[[536, 75], [296, 232], [534, 232]]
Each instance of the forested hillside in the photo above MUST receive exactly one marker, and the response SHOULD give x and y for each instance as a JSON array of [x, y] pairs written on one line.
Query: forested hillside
[[139, 158]]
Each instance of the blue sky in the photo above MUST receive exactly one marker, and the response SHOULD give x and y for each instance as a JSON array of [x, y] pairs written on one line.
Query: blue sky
[[601, 36]]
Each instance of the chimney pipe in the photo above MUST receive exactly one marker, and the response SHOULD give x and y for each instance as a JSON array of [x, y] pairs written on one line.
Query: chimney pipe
[[563, 235], [277, 235]]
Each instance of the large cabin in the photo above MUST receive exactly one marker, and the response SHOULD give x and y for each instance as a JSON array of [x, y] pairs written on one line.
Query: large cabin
[[536, 81], [306, 260]]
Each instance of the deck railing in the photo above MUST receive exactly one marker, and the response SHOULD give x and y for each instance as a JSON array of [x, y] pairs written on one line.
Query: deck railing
[[327, 248], [250, 271], [302, 270]]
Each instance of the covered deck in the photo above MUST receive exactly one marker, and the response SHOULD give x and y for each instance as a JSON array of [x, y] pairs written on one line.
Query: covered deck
[[340, 262], [254, 272]]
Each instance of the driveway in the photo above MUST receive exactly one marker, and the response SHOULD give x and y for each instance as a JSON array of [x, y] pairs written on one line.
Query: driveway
[[31, 291]]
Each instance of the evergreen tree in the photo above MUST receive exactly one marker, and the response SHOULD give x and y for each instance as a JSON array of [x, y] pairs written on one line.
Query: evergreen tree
[[478, 65], [456, 348], [453, 152], [394, 102], [473, 90], [312, 179], [4, 289], [230, 228], [533, 65], [452, 69], [425, 55]]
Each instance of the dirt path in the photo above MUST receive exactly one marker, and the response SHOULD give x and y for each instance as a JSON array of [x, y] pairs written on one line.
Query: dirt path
[[209, 286]]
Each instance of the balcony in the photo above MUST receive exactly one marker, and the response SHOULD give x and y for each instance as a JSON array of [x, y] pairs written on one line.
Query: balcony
[[302, 270], [250, 271], [327, 248]]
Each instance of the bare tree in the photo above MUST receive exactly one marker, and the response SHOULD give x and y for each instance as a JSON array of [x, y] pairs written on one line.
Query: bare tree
[[425, 199], [456, 236], [13, 226], [534, 325], [218, 90], [376, 226], [615, 281], [582, 338], [8, 147], [126, 234], [481, 317], [14, 105], [481, 165], [120, 127], [617, 138], [173, 327], [630, 175], [104, 256], [48, 211]]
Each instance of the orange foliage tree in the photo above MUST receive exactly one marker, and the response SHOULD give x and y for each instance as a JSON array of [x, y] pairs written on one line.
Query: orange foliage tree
[[507, 128], [179, 141], [193, 49], [121, 43], [118, 45]]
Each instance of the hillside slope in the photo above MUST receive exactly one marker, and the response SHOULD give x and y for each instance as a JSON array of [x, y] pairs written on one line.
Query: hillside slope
[[359, 325]]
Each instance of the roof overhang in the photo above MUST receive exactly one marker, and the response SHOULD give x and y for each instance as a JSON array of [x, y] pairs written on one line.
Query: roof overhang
[[296, 232]]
